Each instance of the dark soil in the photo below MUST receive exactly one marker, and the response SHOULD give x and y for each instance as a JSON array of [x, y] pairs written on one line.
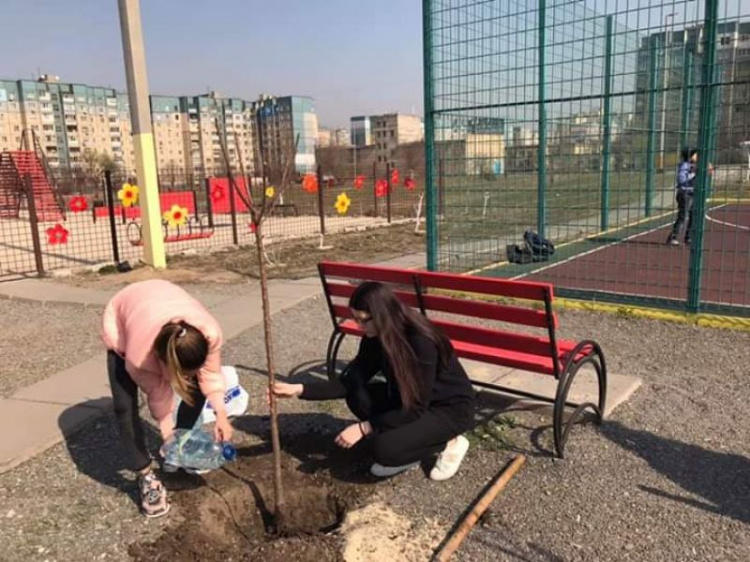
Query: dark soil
[[231, 516], [295, 259]]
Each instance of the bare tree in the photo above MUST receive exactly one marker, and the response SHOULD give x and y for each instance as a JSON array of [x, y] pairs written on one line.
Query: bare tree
[[258, 213]]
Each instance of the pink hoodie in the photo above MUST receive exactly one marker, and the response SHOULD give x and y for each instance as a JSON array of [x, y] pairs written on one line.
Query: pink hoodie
[[131, 322]]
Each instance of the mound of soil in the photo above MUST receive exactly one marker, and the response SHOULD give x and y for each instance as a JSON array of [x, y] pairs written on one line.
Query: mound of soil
[[230, 518]]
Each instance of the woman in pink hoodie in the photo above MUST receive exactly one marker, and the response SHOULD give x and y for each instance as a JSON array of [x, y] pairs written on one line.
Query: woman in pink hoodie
[[161, 340]]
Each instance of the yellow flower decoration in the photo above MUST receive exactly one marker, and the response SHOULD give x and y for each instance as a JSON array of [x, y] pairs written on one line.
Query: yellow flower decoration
[[128, 195], [342, 203], [176, 216], [270, 192]]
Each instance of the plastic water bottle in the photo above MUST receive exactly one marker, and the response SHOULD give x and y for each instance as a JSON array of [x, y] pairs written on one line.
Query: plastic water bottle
[[195, 449]]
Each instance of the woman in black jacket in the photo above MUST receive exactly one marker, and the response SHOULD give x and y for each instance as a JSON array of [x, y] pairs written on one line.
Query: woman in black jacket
[[426, 401]]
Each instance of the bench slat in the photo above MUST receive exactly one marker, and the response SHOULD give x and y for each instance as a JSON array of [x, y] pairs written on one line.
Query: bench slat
[[485, 285], [488, 311], [498, 339], [368, 273]]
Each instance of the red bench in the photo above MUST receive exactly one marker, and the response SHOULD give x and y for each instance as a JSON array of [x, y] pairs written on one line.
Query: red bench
[[515, 303]]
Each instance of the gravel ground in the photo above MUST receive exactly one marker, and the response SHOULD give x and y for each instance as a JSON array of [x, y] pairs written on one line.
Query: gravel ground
[[38, 340], [664, 479]]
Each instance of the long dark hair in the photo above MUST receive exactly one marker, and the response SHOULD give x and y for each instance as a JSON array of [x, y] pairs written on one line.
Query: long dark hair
[[393, 321], [687, 153], [184, 349]]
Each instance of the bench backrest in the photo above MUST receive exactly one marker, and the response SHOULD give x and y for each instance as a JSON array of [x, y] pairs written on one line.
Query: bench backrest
[[530, 304]]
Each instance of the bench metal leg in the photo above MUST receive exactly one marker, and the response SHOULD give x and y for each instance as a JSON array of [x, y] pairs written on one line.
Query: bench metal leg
[[332, 353], [595, 358]]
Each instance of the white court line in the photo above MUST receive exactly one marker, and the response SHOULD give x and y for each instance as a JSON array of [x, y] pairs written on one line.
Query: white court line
[[555, 264]]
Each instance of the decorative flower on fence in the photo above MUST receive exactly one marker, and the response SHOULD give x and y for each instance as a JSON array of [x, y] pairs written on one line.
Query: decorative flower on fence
[[252, 227], [395, 176], [342, 203], [218, 193], [381, 188], [128, 194], [57, 234], [410, 184], [78, 204], [270, 192], [176, 216], [310, 183], [359, 181]]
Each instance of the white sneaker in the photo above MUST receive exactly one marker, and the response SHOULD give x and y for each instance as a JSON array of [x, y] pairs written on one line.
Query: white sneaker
[[385, 471], [449, 461]]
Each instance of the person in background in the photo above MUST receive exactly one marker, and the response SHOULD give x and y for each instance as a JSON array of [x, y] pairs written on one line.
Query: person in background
[[426, 401], [161, 340], [684, 188]]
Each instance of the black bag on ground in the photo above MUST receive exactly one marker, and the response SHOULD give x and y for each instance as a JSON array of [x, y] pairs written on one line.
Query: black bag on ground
[[540, 248], [516, 254]]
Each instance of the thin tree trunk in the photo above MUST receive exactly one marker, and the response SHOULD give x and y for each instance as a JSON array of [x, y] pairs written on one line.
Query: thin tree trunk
[[278, 489]]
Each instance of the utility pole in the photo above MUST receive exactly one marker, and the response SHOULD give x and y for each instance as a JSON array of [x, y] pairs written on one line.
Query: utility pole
[[143, 138]]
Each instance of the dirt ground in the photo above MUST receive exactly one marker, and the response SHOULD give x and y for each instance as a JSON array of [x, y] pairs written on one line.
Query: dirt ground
[[294, 259]]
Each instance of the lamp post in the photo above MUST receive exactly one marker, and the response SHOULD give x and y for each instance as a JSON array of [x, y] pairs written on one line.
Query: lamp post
[[665, 84]]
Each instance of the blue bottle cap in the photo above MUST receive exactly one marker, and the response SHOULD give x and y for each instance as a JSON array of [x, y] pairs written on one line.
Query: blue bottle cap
[[228, 452]]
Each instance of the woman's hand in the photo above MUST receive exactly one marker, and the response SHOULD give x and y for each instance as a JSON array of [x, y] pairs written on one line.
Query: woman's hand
[[223, 430], [351, 435], [284, 390]]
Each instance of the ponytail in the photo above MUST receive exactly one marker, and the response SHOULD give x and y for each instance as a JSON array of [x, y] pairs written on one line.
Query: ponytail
[[183, 349]]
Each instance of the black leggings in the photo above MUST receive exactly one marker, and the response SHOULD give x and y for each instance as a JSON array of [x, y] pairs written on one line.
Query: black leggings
[[418, 438], [684, 210], [125, 397]]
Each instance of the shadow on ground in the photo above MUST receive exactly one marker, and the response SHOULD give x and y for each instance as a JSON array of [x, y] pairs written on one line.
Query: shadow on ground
[[719, 479]]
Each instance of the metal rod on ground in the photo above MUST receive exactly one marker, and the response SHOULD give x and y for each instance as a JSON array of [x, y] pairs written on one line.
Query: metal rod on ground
[[34, 223], [109, 197], [321, 203], [481, 505]]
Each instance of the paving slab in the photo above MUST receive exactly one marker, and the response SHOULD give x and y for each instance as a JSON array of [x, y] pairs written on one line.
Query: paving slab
[[619, 387]]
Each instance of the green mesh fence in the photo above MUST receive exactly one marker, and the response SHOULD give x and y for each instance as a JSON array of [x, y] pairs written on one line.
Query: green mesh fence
[[568, 118]]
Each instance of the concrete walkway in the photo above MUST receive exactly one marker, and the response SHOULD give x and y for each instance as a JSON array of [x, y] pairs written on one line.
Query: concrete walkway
[[82, 392], [43, 413]]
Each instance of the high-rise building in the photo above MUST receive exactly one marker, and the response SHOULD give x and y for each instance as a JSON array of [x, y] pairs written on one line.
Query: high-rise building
[[361, 131], [71, 119], [393, 129], [282, 122]]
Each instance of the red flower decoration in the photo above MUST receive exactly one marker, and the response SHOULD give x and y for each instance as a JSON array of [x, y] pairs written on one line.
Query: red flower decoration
[[310, 183], [359, 181], [251, 226], [78, 204], [410, 184], [381, 188], [395, 176], [57, 235], [217, 194]]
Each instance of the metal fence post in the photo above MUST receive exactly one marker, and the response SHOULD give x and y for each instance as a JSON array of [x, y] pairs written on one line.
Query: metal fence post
[[321, 201], [34, 223], [209, 202], [651, 128], [607, 140], [374, 183], [541, 211], [429, 130], [687, 97], [233, 209], [388, 192], [709, 88], [110, 198], [441, 187]]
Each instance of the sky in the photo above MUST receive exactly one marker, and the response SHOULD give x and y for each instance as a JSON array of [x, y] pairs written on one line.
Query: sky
[[352, 56]]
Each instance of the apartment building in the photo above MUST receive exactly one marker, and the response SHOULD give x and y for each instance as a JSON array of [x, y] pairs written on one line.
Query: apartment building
[[393, 129], [69, 119], [281, 122]]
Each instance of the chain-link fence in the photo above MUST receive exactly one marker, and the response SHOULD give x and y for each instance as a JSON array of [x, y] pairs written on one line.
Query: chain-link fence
[[79, 220], [569, 118]]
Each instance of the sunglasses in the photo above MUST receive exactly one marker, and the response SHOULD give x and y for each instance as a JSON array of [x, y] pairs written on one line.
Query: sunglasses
[[363, 321]]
